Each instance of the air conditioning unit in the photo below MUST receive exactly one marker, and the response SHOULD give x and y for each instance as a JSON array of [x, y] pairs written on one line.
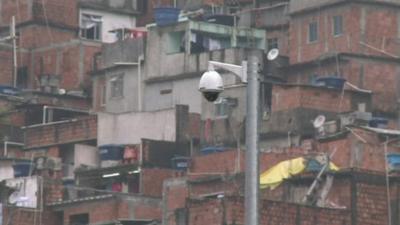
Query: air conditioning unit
[[355, 118], [40, 163], [53, 163], [330, 127]]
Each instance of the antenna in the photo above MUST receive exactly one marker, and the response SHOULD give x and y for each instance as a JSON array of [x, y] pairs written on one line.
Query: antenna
[[273, 54], [318, 124]]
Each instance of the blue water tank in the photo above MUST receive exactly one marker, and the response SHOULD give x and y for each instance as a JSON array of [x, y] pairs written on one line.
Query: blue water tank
[[166, 15], [111, 152], [394, 161], [330, 82], [22, 168], [9, 90], [378, 122], [180, 162], [210, 150]]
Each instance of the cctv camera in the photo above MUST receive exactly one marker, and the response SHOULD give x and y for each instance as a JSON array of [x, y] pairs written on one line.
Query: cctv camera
[[211, 85], [211, 96]]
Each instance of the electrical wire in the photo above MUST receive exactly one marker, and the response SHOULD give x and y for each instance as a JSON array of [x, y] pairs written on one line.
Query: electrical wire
[[47, 22]]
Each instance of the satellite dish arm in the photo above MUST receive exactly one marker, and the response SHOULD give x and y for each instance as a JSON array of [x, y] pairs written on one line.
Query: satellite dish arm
[[239, 71]]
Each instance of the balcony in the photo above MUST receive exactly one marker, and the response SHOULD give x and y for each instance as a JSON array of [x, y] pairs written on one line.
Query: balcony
[[62, 132]]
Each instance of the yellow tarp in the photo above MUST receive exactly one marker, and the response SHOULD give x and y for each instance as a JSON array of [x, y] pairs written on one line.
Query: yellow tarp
[[284, 170]]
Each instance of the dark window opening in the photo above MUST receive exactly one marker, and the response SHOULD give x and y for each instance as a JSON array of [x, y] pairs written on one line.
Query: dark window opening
[[266, 100], [117, 86], [166, 91], [91, 27], [272, 43], [313, 32], [79, 219], [337, 25], [22, 77]]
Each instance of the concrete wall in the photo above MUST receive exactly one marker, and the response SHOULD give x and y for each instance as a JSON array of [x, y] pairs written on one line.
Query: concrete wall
[[164, 95], [111, 21], [122, 51], [160, 63], [130, 128], [27, 187], [6, 170], [129, 101], [86, 155]]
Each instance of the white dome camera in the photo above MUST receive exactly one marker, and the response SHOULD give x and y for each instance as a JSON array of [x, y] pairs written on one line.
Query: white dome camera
[[211, 85]]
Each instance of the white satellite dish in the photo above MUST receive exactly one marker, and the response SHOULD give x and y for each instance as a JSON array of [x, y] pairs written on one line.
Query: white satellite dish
[[273, 54], [319, 121], [14, 197], [62, 91], [319, 124]]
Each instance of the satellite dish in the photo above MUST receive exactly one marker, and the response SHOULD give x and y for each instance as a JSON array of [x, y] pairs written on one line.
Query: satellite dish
[[319, 121], [14, 197], [273, 54], [62, 91]]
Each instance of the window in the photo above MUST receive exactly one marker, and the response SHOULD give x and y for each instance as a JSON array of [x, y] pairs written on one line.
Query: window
[[176, 42], [103, 95], [337, 25], [272, 43], [313, 32], [117, 86], [22, 77], [79, 219], [224, 105], [221, 107], [91, 27]]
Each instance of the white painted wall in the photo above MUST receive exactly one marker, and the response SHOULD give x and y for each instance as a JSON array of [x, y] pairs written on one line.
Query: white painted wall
[[28, 189], [110, 21], [86, 155], [184, 92], [130, 128], [6, 170]]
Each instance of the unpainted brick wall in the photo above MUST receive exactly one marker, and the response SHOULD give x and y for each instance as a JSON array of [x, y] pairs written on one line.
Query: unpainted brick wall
[[55, 134], [152, 179], [231, 211], [60, 12], [286, 98]]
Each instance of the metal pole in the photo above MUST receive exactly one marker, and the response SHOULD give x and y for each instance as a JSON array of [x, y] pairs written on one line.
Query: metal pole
[[14, 40], [252, 170]]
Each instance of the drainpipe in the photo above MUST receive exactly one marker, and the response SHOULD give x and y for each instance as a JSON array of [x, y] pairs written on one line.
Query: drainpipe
[[140, 59], [44, 114], [6, 143]]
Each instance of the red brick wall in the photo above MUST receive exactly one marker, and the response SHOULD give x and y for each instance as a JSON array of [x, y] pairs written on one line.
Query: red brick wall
[[55, 134], [175, 193], [37, 36], [112, 209], [148, 16], [362, 73], [66, 62], [60, 12], [285, 98], [99, 211], [380, 31], [371, 204], [230, 211], [152, 180], [6, 65], [21, 216]]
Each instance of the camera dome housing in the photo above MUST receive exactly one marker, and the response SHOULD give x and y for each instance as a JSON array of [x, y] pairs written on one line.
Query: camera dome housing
[[211, 85]]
